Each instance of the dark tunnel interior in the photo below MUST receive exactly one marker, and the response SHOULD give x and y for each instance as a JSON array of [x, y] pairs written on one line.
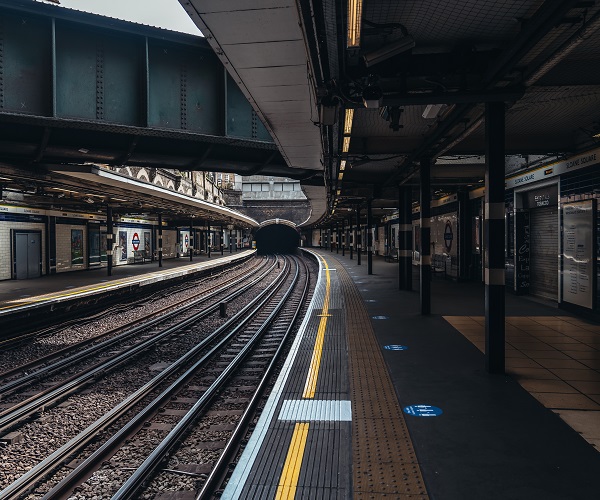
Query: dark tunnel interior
[[277, 238]]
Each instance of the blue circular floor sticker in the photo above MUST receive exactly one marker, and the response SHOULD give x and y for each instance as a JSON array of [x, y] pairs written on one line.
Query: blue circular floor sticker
[[423, 410], [380, 317], [395, 347]]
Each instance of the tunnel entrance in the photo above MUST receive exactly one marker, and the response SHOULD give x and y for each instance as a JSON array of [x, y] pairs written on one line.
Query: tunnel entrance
[[277, 238]]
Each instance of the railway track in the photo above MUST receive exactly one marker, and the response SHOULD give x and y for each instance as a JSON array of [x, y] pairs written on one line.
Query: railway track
[[77, 326], [139, 339], [186, 390]]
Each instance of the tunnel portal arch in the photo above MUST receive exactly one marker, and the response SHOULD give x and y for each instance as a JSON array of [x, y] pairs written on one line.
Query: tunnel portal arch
[[277, 236]]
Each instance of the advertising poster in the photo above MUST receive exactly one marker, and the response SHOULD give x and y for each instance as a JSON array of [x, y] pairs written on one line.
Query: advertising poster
[[578, 250], [123, 244], [147, 248], [76, 246], [522, 251]]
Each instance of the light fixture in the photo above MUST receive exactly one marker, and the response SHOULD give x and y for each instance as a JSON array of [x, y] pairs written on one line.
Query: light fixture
[[372, 97], [346, 145], [328, 111], [5, 178], [88, 200], [354, 22], [431, 111], [342, 165], [390, 50], [83, 150], [340, 176], [348, 121]]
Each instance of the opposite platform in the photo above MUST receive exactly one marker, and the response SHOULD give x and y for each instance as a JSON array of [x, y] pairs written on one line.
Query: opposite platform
[[27, 295]]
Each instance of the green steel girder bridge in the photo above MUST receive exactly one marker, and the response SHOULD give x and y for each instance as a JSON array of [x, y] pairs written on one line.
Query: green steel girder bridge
[[82, 88]]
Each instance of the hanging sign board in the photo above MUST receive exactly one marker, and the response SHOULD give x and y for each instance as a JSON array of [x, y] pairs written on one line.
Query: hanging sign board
[[578, 252]]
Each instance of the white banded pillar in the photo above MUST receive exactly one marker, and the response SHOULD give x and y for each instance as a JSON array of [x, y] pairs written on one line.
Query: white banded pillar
[[369, 237], [425, 200], [109, 240], [494, 237], [160, 241], [404, 238], [191, 244]]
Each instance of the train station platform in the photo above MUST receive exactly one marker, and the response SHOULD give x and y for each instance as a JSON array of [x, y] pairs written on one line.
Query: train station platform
[[346, 419], [20, 295]]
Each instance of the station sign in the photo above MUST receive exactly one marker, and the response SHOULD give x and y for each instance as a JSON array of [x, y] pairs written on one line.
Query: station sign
[[552, 170]]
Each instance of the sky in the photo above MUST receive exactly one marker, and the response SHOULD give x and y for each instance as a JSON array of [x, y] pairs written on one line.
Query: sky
[[167, 14]]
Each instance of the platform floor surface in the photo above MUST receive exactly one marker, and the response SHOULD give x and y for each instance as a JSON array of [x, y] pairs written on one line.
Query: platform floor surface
[[11, 291], [494, 439], [530, 434]]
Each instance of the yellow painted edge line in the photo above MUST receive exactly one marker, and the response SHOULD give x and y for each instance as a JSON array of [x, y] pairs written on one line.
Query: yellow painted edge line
[[288, 482], [86, 289], [310, 386]]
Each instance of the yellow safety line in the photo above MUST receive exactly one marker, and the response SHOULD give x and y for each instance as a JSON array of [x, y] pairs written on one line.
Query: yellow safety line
[[315, 363], [288, 482], [85, 289]]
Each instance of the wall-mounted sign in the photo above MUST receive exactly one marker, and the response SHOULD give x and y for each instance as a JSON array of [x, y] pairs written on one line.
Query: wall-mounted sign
[[544, 197], [448, 236], [522, 251], [578, 274], [574, 163]]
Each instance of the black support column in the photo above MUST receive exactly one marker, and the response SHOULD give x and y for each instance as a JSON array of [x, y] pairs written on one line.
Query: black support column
[[109, 240], [337, 237], [208, 242], [344, 237], [405, 237], [160, 241], [494, 237], [369, 237], [425, 201], [191, 244], [330, 236], [222, 239], [464, 235], [358, 235], [351, 233]]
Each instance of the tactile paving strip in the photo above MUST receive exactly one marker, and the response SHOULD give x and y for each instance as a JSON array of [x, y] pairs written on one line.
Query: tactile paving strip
[[384, 461]]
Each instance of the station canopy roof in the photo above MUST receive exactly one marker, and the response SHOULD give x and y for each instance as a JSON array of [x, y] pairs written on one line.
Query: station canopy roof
[[364, 101]]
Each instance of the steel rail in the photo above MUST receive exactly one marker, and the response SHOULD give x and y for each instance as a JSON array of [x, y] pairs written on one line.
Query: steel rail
[[23, 409], [46, 466], [39, 361], [135, 481]]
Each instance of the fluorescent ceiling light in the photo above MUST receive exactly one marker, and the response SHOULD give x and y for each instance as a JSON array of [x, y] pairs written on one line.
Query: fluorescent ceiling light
[[389, 50], [340, 176], [354, 22], [346, 145], [343, 165], [431, 111], [348, 121], [372, 97]]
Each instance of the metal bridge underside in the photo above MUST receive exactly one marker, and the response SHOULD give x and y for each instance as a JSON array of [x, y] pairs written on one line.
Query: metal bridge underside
[[80, 88]]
